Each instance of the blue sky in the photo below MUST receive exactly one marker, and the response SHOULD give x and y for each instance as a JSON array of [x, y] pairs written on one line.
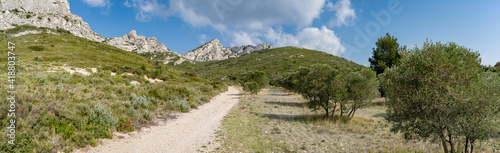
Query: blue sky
[[347, 28]]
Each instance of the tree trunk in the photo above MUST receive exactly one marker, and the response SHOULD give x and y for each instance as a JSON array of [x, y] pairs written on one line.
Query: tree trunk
[[352, 116], [443, 142], [472, 145], [466, 145], [326, 111], [450, 140], [333, 110]]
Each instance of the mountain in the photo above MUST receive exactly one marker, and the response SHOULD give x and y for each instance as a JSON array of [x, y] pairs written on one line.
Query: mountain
[[147, 46], [59, 111], [274, 62], [210, 51], [249, 48], [44, 13], [214, 50]]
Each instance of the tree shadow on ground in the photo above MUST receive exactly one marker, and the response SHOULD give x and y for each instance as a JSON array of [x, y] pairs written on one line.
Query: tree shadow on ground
[[290, 104], [383, 115], [279, 94], [304, 118]]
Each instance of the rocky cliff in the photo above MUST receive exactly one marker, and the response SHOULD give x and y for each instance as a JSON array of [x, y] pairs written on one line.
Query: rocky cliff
[[142, 45], [249, 48], [44, 13], [214, 50]]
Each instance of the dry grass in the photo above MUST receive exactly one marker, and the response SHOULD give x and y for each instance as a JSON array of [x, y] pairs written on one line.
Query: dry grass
[[278, 121]]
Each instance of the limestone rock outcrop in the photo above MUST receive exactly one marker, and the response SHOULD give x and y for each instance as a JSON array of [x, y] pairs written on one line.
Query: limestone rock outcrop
[[214, 50], [44, 13]]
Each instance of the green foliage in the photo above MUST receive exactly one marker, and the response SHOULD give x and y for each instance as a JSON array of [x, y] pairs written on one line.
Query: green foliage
[[59, 111], [37, 48], [274, 62], [104, 120], [253, 81], [326, 87], [439, 92], [38, 58], [28, 16], [252, 87], [386, 54]]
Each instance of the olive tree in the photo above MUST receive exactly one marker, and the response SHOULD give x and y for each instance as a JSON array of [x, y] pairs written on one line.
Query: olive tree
[[438, 92], [253, 81], [362, 88]]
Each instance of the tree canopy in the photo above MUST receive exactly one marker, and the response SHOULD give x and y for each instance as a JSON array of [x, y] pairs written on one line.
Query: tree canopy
[[329, 88], [386, 54], [440, 92]]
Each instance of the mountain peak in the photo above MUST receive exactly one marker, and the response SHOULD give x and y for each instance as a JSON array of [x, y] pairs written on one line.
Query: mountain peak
[[214, 50], [215, 41], [47, 13]]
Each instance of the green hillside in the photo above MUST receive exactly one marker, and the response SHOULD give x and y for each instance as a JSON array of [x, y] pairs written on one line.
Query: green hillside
[[274, 62], [58, 111]]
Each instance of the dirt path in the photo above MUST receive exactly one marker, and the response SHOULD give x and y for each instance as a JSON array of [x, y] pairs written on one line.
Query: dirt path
[[188, 133]]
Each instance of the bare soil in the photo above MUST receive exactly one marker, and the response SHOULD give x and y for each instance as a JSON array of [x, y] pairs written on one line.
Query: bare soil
[[190, 132]]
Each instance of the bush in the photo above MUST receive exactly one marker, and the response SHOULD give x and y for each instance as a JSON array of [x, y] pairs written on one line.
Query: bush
[[36, 48], [28, 16], [103, 119], [251, 87], [38, 58]]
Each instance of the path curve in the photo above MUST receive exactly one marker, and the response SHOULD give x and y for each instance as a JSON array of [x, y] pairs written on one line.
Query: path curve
[[188, 133]]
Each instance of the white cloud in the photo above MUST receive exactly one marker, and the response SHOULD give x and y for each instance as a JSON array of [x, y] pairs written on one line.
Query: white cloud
[[244, 38], [221, 14], [147, 9], [97, 3], [251, 22], [322, 39], [203, 38], [344, 13]]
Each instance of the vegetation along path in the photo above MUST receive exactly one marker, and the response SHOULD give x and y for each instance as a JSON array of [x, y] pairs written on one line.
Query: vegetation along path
[[187, 133]]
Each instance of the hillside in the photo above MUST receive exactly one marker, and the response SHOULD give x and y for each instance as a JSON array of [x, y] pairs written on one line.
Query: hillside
[[272, 61], [58, 109]]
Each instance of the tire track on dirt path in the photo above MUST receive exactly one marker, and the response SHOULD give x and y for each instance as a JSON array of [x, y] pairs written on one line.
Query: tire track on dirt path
[[187, 133]]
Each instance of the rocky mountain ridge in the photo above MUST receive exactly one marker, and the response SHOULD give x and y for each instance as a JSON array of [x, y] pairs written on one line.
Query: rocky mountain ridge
[[214, 50], [56, 14], [140, 45], [44, 13]]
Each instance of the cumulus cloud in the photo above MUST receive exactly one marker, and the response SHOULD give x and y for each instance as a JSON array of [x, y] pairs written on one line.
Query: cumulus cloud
[[252, 22], [97, 3], [220, 14], [323, 39], [203, 38], [245, 38], [344, 13], [147, 9]]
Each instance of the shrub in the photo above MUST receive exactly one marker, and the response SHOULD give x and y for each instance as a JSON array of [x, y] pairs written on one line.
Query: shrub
[[251, 87], [28, 16], [147, 116], [38, 58], [103, 119], [36, 48]]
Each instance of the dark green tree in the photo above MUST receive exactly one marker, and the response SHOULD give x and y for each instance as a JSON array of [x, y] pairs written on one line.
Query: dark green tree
[[440, 92], [386, 54], [253, 81], [251, 87], [362, 88]]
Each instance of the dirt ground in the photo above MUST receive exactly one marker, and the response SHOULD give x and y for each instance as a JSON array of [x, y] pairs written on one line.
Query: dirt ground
[[190, 132], [279, 121]]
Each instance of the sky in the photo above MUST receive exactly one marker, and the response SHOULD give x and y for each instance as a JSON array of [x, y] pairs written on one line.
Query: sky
[[346, 28]]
